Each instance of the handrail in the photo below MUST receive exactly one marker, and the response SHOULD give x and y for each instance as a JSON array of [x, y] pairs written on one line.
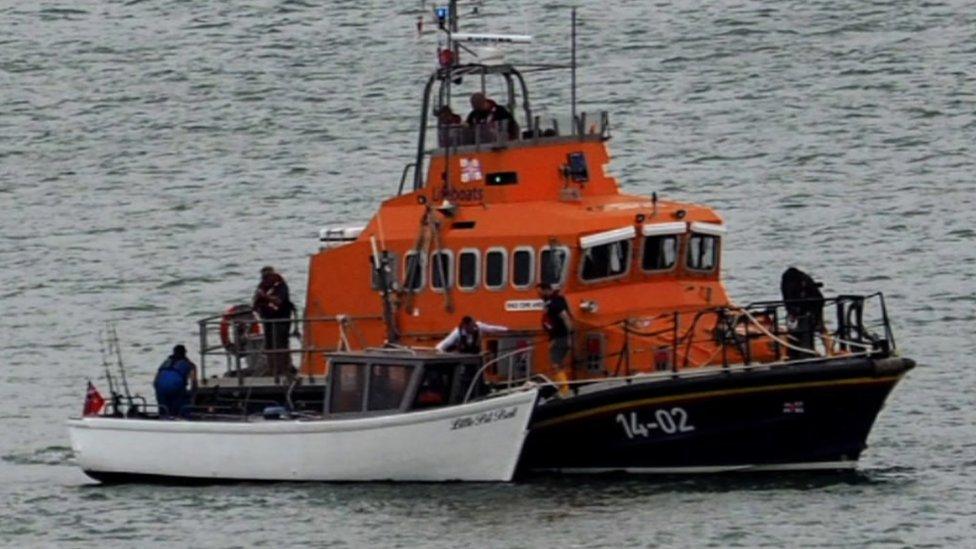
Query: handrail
[[403, 177], [683, 373], [481, 371]]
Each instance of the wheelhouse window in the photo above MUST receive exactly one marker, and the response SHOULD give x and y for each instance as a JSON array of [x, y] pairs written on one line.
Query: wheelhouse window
[[495, 268], [468, 269], [702, 252], [522, 272], [660, 252], [606, 260], [435, 386], [387, 385], [413, 271], [348, 384], [441, 269], [377, 284], [553, 265]]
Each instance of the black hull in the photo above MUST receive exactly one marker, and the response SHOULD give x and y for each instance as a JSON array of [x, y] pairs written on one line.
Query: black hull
[[804, 416]]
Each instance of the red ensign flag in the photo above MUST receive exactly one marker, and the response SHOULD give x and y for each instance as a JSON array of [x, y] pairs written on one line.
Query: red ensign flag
[[93, 401]]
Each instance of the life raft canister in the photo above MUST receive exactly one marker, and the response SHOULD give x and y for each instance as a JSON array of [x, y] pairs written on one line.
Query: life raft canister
[[237, 325]]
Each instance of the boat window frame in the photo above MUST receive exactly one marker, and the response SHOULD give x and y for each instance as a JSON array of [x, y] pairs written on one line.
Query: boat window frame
[[678, 240], [418, 286], [364, 379], [411, 374], [504, 282], [623, 274], [716, 252], [564, 274], [477, 269], [449, 278], [450, 390], [531, 282]]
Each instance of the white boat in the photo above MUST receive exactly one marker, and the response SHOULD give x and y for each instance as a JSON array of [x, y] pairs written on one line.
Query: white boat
[[389, 416]]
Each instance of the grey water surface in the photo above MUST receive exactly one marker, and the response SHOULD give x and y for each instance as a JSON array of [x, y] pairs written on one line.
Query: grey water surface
[[155, 154]]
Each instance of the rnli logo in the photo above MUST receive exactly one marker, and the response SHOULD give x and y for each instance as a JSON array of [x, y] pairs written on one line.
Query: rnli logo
[[471, 170]]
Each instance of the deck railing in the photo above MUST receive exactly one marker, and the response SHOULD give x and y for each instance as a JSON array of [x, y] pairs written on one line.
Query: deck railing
[[795, 330], [239, 342]]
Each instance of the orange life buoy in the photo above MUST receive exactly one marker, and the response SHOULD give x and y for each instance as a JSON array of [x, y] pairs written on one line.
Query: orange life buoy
[[238, 323]]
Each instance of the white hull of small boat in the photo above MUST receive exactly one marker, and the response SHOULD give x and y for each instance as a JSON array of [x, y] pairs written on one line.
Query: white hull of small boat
[[478, 441]]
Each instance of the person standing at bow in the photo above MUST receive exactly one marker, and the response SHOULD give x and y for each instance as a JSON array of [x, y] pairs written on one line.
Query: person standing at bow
[[274, 306]]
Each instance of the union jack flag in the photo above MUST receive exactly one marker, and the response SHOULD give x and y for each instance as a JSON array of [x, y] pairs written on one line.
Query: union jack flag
[[795, 407]]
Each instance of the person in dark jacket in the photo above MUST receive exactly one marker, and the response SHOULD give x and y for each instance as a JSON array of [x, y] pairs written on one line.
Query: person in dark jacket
[[171, 383], [487, 113], [804, 307], [274, 306]]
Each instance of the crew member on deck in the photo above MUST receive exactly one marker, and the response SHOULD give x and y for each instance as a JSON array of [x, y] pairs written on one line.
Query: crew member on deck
[[272, 303], [170, 383], [485, 112], [558, 324], [448, 126], [466, 337]]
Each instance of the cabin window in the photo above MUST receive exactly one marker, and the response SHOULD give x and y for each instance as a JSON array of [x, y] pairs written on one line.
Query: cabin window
[[606, 260], [702, 252], [413, 271], [522, 268], [553, 265], [660, 252], [347, 388], [377, 284], [435, 386], [441, 269], [387, 384], [468, 269], [495, 268]]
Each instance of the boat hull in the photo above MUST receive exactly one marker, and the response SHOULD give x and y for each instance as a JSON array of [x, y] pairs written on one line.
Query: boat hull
[[810, 416], [479, 441]]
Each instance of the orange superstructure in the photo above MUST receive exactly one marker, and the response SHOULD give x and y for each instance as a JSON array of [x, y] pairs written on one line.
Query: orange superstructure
[[494, 218]]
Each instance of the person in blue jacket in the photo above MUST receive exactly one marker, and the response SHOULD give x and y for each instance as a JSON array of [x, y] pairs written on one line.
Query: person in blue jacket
[[171, 383]]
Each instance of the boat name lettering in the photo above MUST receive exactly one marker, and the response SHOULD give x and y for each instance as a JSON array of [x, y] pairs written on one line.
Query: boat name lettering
[[517, 305], [668, 421], [476, 195], [490, 416]]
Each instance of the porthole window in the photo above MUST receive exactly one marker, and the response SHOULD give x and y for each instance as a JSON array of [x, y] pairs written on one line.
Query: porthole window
[[468, 269], [441, 269], [496, 268], [660, 252], [413, 271], [553, 265], [606, 260], [522, 272], [702, 252]]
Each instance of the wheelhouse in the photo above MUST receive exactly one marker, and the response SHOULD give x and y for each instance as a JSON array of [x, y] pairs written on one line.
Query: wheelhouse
[[398, 380]]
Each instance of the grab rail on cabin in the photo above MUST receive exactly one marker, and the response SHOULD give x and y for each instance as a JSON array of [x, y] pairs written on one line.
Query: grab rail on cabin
[[239, 340], [506, 133]]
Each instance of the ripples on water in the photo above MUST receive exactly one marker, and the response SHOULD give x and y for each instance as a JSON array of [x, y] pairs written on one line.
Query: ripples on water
[[154, 154]]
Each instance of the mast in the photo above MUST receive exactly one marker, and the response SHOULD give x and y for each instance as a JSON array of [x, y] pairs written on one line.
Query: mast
[[572, 78]]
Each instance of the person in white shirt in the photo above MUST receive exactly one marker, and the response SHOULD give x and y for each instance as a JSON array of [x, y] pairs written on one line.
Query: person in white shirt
[[466, 338]]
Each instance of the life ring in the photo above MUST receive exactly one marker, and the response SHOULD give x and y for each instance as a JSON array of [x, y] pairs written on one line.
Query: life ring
[[238, 323]]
